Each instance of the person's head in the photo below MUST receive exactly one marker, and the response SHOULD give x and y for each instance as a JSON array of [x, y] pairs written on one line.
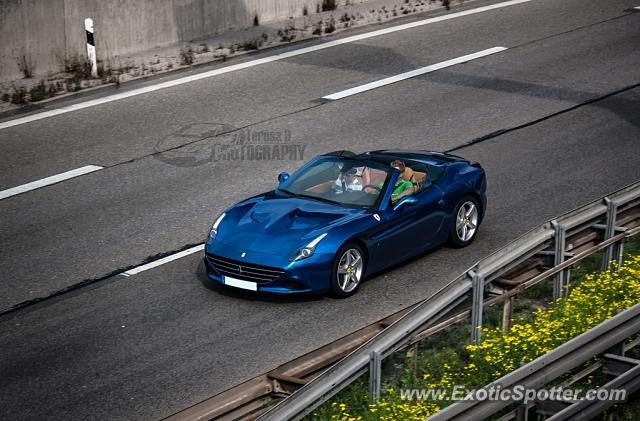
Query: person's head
[[398, 165], [347, 173], [351, 174]]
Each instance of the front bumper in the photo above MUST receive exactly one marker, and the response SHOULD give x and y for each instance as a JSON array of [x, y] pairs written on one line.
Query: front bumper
[[310, 275]]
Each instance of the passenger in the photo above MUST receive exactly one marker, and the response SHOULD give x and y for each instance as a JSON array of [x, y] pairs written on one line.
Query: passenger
[[403, 187]]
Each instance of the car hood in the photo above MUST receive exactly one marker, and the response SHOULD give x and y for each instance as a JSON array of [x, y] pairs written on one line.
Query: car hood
[[280, 225]]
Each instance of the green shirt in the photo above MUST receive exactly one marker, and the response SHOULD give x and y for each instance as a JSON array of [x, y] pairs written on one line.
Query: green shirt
[[401, 185]]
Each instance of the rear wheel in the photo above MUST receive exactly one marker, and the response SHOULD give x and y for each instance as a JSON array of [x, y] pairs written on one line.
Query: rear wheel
[[465, 223], [348, 270]]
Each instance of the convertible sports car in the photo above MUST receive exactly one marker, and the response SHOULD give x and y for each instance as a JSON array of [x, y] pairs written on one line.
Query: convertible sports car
[[342, 217]]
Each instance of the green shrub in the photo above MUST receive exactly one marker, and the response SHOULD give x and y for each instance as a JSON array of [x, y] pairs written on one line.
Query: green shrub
[[597, 298]]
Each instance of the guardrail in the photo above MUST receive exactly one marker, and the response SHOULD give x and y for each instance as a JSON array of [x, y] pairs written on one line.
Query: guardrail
[[253, 397], [548, 250], [551, 249]]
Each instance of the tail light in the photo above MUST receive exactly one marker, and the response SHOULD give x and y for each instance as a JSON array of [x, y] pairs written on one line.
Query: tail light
[[475, 164]]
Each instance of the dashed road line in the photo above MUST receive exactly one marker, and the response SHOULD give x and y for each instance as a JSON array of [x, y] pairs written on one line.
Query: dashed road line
[[413, 73], [253, 63], [164, 260], [48, 181]]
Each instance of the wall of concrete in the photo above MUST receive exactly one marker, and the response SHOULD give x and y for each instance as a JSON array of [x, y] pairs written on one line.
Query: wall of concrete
[[33, 30], [46, 32]]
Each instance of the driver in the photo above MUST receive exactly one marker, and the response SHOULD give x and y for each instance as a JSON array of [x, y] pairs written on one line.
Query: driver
[[348, 181]]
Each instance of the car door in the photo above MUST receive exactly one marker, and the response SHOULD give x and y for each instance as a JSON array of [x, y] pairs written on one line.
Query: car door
[[431, 211], [430, 216], [410, 229]]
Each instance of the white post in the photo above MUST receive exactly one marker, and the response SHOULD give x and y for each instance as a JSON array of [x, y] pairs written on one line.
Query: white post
[[91, 46]]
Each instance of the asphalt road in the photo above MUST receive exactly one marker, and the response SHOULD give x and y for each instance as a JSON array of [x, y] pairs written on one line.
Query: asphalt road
[[145, 346]]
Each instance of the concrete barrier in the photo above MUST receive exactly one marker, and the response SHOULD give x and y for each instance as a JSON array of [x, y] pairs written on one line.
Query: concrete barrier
[[43, 33]]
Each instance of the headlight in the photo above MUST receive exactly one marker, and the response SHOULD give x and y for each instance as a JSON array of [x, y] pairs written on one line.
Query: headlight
[[214, 228], [307, 250]]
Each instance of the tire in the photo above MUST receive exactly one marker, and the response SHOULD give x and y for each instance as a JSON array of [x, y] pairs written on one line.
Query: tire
[[465, 223], [345, 281]]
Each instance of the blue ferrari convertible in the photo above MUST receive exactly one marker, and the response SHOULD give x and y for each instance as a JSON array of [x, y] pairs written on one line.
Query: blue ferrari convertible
[[342, 217]]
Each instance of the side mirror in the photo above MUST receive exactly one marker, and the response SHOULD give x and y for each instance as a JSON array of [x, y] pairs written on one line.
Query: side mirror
[[282, 176], [405, 201]]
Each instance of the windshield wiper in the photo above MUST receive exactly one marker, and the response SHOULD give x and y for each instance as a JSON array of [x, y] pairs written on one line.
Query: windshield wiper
[[322, 199], [308, 196], [289, 192]]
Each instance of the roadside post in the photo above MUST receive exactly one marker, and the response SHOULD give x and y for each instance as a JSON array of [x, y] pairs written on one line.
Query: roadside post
[[91, 47]]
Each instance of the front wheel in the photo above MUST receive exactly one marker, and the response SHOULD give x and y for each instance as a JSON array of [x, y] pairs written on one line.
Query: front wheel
[[465, 223], [348, 270]]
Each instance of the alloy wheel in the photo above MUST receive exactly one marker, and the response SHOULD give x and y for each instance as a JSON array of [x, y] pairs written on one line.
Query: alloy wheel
[[467, 221], [350, 270]]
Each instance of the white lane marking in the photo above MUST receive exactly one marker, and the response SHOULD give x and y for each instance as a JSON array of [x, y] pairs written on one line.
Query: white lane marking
[[637, 7], [164, 260], [413, 73], [253, 63], [48, 181]]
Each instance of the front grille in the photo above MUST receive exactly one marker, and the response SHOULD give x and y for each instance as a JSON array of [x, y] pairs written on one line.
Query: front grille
[[242, 270]]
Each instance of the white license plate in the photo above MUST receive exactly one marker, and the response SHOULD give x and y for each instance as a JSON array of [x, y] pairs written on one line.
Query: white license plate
[[239, 283]]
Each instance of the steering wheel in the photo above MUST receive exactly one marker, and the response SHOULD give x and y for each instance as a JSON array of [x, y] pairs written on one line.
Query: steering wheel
[[373, 186]]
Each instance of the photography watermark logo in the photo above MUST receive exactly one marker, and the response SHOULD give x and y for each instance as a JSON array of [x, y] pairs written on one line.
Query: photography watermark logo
[[518, 393], [208, 143], [263, 145]]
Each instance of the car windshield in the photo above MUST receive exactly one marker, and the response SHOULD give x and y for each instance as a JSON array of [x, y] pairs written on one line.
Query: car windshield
[[342, 181]]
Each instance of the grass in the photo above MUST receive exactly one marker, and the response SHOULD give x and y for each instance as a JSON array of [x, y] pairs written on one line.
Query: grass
[[287, 34], [445, 359], [78, 67], [317, 28], [39, 92], [328, 5], [26, 66], [19, 96], [187, 56], [252, 44], [330, 26]]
